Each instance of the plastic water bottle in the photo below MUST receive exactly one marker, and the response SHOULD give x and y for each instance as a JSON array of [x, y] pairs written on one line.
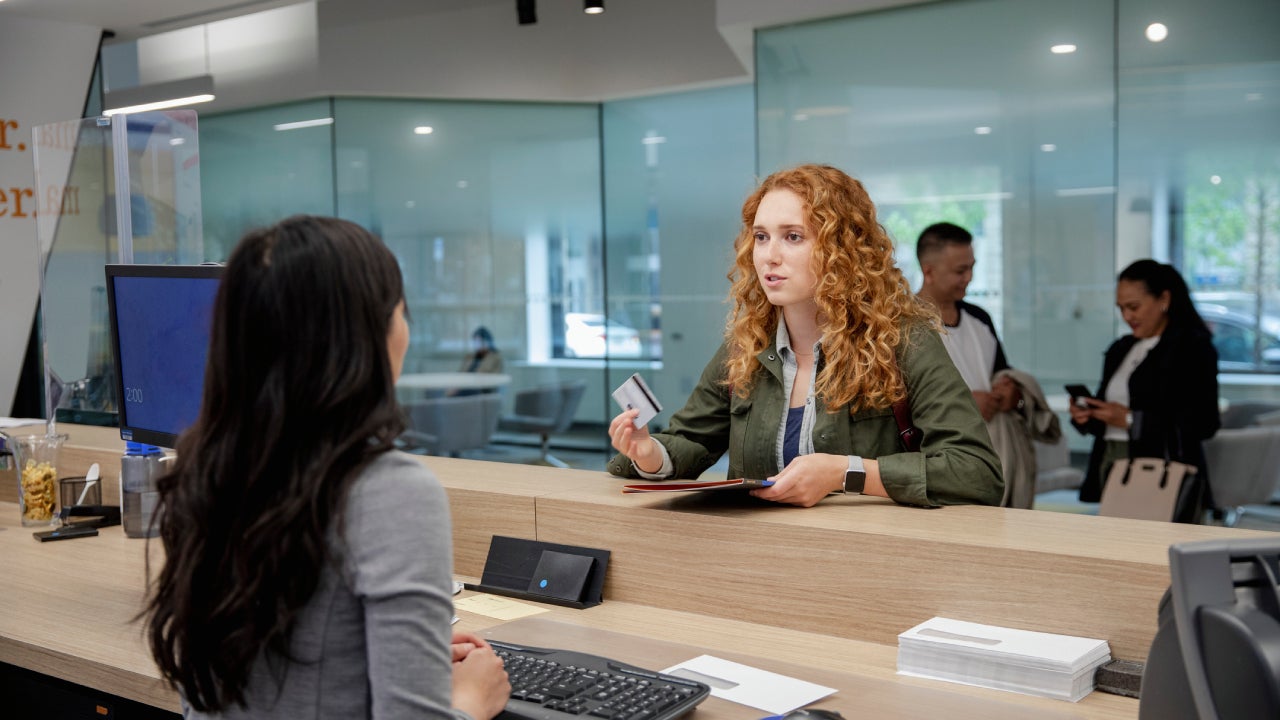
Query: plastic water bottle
[[140, 467]]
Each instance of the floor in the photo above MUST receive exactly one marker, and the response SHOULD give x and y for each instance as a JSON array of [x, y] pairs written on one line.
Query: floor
[[587, 449]]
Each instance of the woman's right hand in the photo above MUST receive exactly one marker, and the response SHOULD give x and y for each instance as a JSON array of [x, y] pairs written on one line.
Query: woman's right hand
[[635, 443], [480, 684], [1079, 415]]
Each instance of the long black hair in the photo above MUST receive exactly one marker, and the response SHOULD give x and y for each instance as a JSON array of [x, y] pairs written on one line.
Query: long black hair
[[298, 397], [1158, 277]]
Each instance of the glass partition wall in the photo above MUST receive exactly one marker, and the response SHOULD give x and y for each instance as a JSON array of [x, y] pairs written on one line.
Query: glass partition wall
[[593, 240], [1071, 139]]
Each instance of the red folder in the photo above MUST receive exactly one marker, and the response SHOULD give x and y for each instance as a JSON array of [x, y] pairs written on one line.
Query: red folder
[[746, 483]]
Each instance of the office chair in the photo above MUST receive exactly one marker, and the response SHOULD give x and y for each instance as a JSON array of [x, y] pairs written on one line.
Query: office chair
[[1244, 468], [450, 425], [545, 410]]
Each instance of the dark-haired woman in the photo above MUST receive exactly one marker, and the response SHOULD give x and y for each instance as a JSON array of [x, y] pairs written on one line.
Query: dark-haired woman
[[484, 356], [308, 566], [1159, 390]]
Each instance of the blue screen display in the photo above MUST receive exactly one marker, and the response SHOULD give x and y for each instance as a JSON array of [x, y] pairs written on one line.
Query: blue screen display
[[162, 327]]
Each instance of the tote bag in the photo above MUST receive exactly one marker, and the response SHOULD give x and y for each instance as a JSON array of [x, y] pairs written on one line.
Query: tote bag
[[1145, 488]]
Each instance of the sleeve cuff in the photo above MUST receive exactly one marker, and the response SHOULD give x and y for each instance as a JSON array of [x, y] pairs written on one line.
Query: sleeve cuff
[[664, 472]]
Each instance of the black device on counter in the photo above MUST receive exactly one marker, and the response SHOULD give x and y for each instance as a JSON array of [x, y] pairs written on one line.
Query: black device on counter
[[66, 532], [1216, 653], [566, 575]]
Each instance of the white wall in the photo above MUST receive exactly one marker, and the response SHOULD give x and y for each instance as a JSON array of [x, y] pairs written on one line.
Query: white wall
[[45, 73]]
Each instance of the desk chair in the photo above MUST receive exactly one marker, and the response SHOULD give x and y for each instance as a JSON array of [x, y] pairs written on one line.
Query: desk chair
[[1053, 467], [545, 410], [450, 425], [1244, 468]]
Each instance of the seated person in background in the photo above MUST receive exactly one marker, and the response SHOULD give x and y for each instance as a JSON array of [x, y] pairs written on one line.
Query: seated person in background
[[1010, 401], [307, 565], [1159, 391], [824, 336], [484, 357]]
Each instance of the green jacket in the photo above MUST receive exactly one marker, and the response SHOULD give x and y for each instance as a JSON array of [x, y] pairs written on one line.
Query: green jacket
[[956, 464]]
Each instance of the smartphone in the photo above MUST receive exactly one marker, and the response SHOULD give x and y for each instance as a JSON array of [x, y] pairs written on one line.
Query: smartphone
[[1078, 393], [65, 532]]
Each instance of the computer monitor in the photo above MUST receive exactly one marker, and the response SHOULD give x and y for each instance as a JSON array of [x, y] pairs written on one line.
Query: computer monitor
[[161, 317]]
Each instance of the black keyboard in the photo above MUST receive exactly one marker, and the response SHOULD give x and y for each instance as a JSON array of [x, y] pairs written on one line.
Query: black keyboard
[[548, 684]]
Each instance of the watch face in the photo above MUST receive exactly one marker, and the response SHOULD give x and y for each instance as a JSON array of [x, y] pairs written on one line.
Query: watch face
[[855, 481]]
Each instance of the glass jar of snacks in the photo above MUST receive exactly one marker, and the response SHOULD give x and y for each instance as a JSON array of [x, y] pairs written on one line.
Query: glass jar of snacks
[[37, 471]]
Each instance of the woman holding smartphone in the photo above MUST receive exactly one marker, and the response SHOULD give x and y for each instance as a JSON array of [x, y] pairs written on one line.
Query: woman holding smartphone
[[1159, 390]]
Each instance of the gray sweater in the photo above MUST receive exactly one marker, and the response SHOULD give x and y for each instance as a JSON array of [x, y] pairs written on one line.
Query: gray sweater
[[373, 642]]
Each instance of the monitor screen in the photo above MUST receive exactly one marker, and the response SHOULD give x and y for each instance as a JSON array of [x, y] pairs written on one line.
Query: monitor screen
[[161, 316]]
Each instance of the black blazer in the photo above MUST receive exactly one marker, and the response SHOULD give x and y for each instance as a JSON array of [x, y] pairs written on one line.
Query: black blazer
[[1173, 396]]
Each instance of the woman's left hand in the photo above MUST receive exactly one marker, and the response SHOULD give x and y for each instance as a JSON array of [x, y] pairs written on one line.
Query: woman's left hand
[[464, 642], [1110, 413], [807, 480]]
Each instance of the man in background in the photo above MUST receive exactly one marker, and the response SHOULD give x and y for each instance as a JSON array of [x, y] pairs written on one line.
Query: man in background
[[1010, 400]]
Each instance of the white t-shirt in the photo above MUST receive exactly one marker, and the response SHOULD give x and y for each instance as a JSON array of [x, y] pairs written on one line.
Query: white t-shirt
[[972, 347], [1117, 389]]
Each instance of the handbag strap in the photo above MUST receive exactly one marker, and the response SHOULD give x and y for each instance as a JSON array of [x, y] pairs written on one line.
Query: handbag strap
[[907, 431]]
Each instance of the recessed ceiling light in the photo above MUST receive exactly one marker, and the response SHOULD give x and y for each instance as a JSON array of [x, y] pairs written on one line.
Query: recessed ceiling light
[[982, 130], [300, 124], [1215, 179], [1048, 147], [423, 130], [1062, 49], [172, 141], [593, 7], [1157, 32]]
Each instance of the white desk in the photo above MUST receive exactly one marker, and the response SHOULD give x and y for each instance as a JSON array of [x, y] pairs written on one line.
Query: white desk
[[438, 381]]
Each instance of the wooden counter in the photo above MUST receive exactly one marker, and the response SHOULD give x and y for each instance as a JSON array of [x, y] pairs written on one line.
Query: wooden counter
[[819, 592]]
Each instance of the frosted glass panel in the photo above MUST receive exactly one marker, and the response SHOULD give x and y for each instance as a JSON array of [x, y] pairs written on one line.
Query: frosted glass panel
[[1199, 168], [494, 212], [263, 165], [962, 112], [677, 168]]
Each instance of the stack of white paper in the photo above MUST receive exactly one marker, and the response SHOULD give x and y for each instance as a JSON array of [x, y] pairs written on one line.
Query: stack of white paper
[[1034, 663]]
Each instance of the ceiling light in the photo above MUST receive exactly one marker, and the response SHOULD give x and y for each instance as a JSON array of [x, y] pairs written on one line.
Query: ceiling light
[[159, 96], [317, 122], [527, 11], [1157, 32], [1215, 179], [172, 141], [1048, 147], [593, 7], [982, 130], [1252, 97], [423, 130], [1062, 49]]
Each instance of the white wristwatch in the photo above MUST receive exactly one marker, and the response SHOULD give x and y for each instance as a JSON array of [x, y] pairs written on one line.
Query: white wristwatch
[[855, 478]]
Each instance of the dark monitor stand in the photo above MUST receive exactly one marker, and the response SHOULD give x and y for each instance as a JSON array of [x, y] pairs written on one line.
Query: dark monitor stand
[[1216, 653]]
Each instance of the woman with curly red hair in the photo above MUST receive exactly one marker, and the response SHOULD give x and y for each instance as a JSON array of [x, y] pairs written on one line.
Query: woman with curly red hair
[[824, 337]]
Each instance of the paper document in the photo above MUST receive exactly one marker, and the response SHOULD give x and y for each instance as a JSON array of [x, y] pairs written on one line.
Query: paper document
[[8, 422], [1024, 661], [760, 689], [496, 607]]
